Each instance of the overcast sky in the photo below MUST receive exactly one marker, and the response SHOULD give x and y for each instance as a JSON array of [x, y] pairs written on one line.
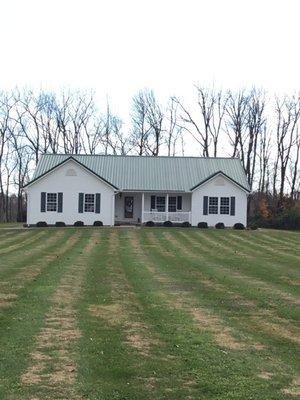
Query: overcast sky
[[119, 46]]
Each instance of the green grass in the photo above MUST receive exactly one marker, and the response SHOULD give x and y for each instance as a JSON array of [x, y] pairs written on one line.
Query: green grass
[[125, 314]]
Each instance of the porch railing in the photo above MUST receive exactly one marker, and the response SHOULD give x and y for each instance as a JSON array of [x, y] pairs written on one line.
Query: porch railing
[[157, 216]]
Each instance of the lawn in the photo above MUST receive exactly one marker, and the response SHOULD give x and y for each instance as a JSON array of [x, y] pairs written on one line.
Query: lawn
[[127, 313]]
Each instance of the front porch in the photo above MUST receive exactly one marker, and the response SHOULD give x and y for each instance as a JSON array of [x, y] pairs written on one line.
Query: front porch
[[139, 208]]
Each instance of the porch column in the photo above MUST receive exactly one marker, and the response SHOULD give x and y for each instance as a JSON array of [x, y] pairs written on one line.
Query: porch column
[[167, 207], [143, 202], [113, 210]]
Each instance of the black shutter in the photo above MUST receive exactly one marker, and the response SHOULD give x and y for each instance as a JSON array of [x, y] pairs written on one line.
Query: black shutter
[[60, 203], [152, 202], [80, 203], [43, 202], [179, 202], [205, 205], [98, 203], [232, 206]]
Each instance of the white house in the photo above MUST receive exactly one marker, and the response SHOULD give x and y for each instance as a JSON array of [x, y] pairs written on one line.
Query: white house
[[133, 189]]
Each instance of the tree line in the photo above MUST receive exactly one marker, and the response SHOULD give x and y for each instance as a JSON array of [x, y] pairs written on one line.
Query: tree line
[[261, 129]]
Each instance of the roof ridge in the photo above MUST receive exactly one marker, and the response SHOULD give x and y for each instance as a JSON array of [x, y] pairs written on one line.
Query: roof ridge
[[138, 156]]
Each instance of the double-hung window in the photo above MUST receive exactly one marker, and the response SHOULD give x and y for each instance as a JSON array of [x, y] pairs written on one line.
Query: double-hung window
[[224, 206], [89, 202], [161, 203], [213, 205], [51, 201], [172, 204]]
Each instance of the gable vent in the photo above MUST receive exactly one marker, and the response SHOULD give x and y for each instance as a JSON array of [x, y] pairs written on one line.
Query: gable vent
[[220, 182], [71, 172]]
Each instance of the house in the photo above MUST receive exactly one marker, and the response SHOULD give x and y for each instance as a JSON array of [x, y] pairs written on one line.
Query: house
[[137, 189]]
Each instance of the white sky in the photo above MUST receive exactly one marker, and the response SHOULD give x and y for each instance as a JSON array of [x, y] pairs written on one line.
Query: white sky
[[118, 47]]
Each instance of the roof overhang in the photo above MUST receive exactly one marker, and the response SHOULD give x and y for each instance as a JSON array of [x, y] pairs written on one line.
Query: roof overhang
[[211, 177], [71, 158]]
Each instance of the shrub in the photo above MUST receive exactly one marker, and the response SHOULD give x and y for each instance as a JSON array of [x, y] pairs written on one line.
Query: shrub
[[78, 223], [149, 223], [238, 226], [186, 224], [202, 225], [60, 224], [168, 223], [288, 219], [219, 225], [41, 224], [25, 225], [98, 223]]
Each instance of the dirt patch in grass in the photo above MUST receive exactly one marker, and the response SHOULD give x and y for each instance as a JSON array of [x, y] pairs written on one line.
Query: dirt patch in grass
[[294, 389], [281, 329], [53, 350], [267, 376], [222, 334], [6, 298], [290, 281]]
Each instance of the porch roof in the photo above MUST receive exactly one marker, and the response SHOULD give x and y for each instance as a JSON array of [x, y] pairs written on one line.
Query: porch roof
[[150, 173]]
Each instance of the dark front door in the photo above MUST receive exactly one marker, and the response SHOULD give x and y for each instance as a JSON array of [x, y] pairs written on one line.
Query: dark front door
[[128, 207]]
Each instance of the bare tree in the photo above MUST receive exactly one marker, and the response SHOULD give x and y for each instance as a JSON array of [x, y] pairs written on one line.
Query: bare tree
[[147, 123], [206, 123], [287, 117]]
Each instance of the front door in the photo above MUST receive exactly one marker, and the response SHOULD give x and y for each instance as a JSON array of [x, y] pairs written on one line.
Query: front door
[[129, 207]]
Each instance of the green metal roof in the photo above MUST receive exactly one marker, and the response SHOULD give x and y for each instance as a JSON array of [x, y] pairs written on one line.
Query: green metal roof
[[150, 173]]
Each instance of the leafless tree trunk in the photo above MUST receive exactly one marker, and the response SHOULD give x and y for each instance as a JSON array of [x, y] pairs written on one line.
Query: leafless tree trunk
[[287, 115]]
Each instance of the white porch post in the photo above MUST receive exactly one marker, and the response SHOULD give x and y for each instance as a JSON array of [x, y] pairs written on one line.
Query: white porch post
[[143, 203], [167, 207], [113, 210]]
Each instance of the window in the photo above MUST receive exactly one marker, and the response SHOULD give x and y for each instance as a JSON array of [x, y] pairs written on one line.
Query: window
[[213, 205], [51, 201], [161, 203], [172, 204], [89, 203], [224, 206]]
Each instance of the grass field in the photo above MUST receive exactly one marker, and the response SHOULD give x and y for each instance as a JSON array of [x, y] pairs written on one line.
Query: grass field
[[149, 314]]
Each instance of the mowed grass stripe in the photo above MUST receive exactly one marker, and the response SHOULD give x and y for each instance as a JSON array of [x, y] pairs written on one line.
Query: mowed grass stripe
[[118, 319], [167, 275], [282, 303], [288, 332], [52, 370], [238, 266], [215, 249], [38, 259], [26, 318], [189, 293], [267, 250], [8, 236], [19, 245], [11, 263]]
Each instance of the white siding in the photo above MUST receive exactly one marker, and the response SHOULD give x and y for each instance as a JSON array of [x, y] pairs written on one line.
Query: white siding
[[71, 179], [219, 186]]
